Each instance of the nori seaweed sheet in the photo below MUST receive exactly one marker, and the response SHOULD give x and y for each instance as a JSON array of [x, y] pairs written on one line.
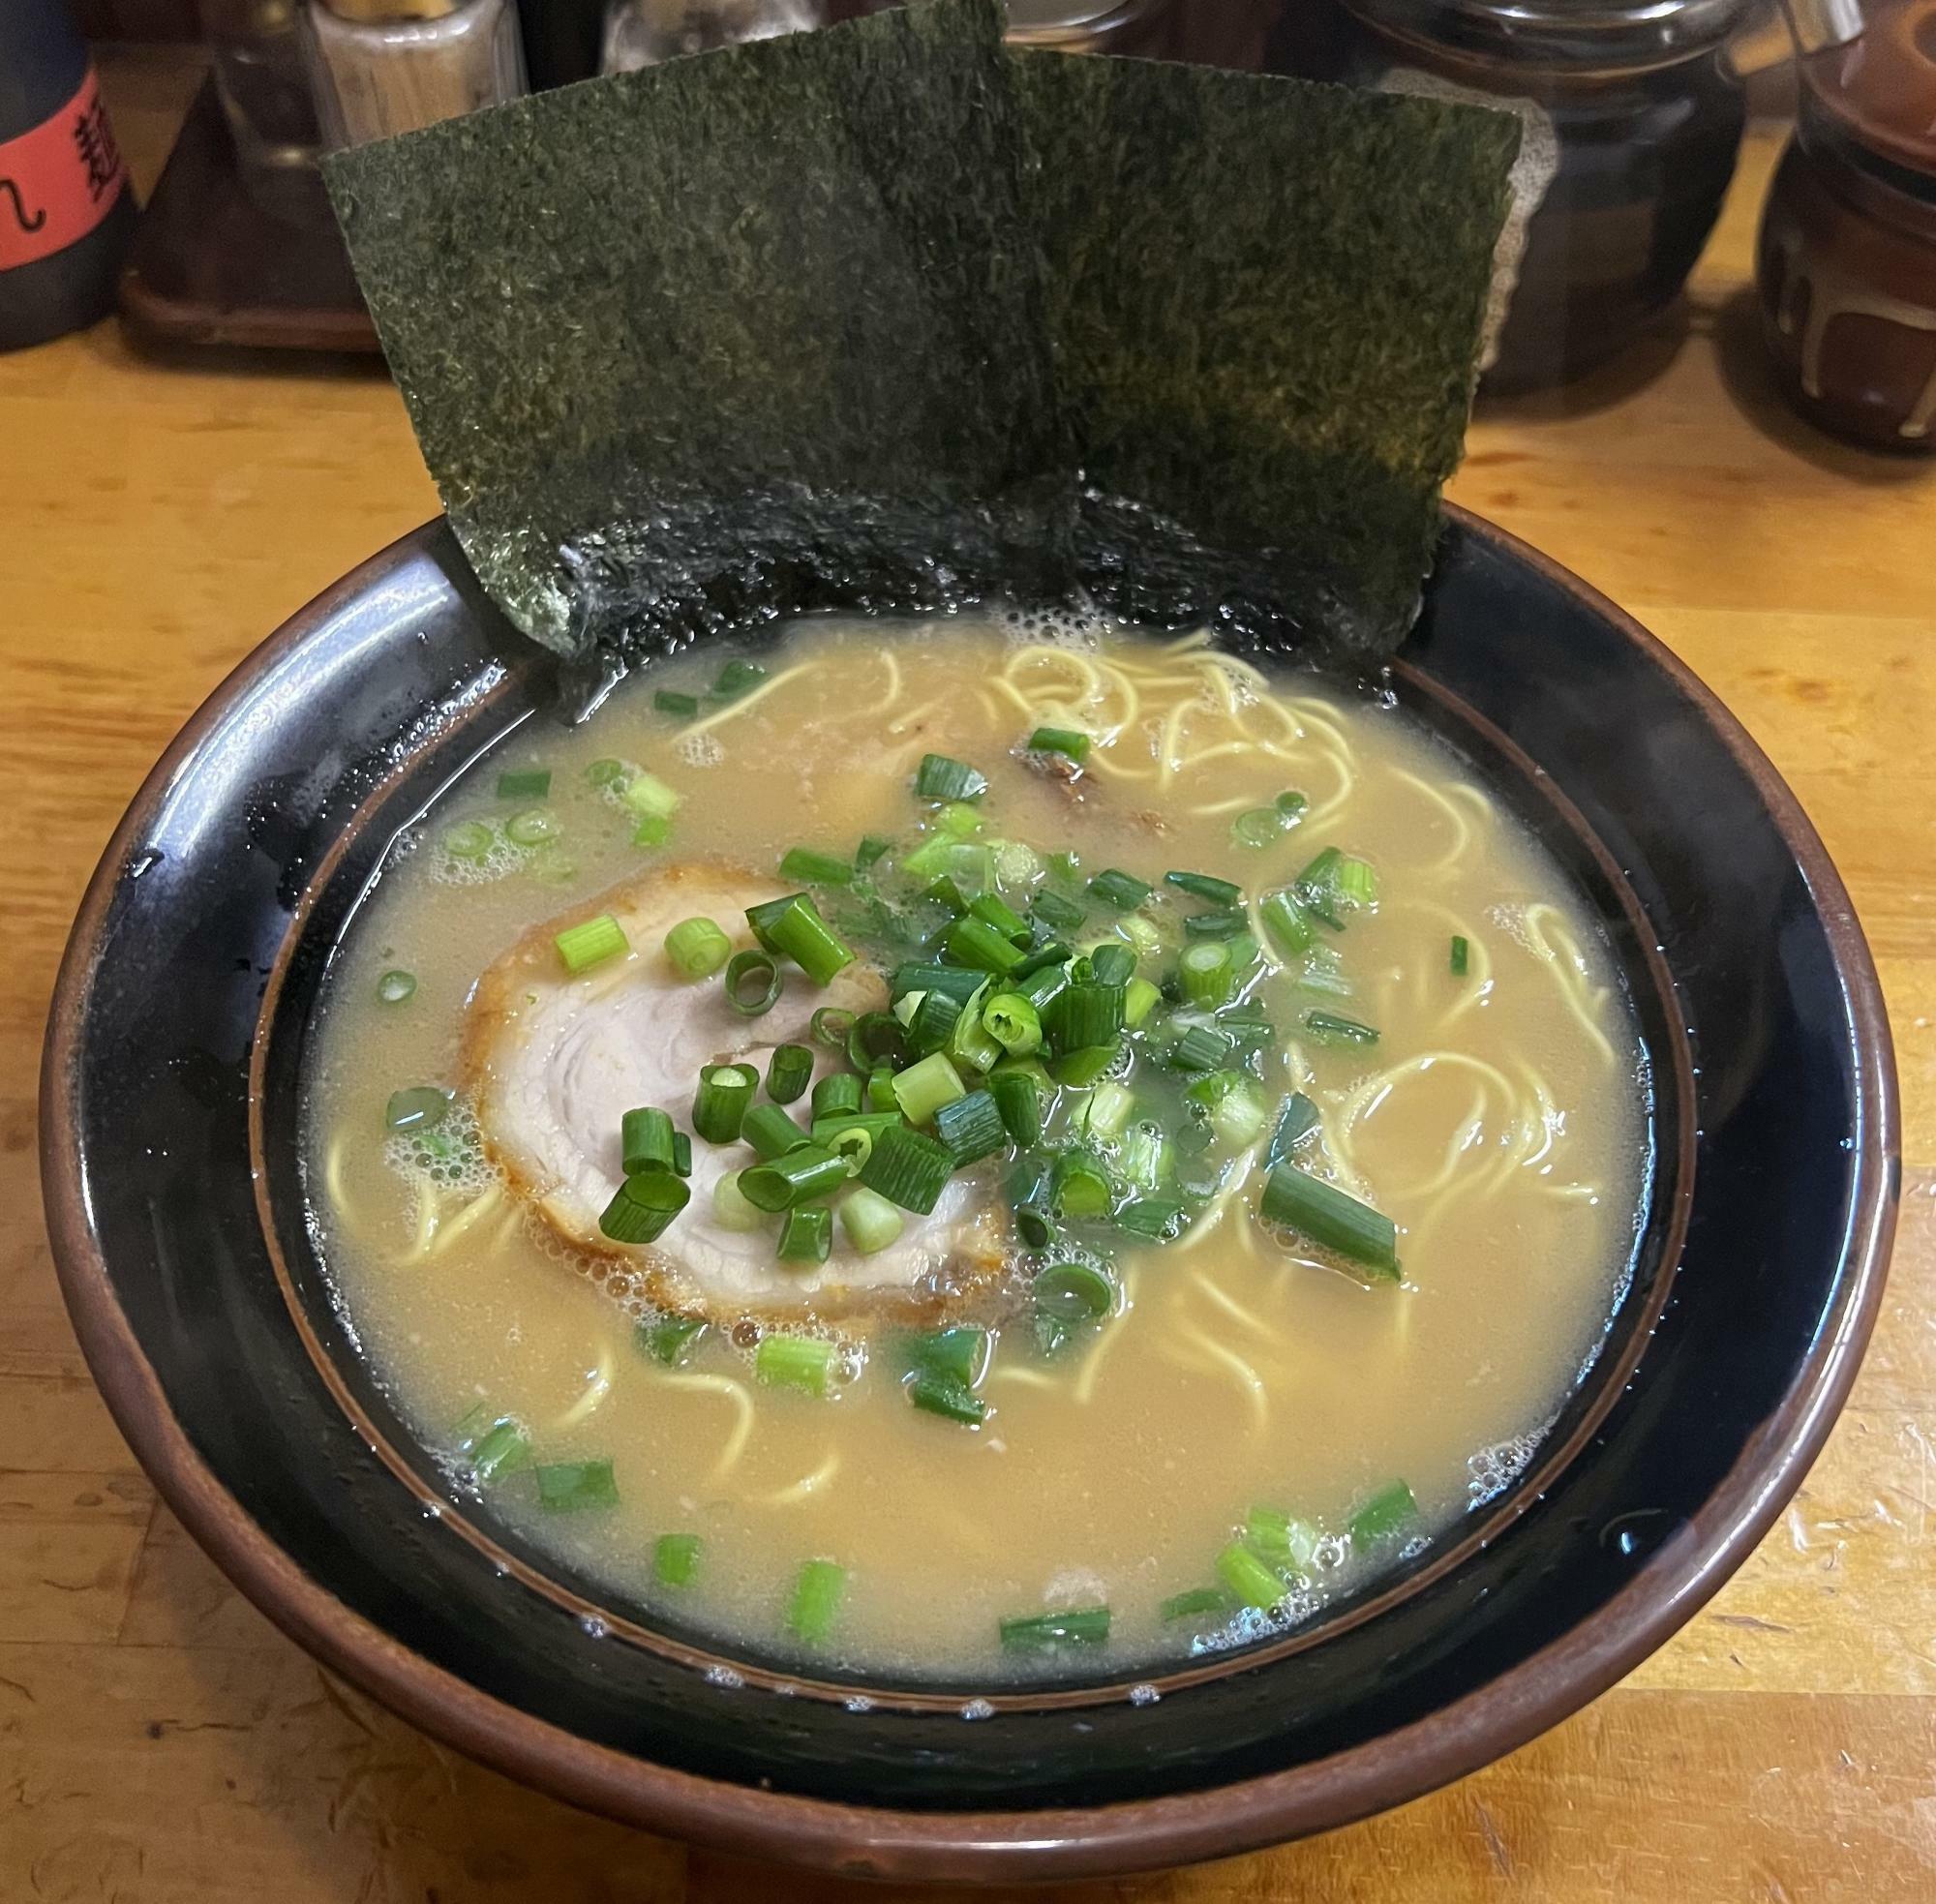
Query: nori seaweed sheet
[[890, 317]]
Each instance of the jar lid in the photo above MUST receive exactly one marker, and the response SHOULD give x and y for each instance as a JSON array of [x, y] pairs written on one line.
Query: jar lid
[[1879, 89], [1610, 34]]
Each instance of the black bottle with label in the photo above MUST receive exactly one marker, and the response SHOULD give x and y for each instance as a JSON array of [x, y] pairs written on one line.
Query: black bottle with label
[[67, 210]]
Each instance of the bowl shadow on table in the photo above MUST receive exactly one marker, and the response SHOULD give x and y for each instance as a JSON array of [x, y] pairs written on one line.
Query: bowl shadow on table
[[1751, 384]]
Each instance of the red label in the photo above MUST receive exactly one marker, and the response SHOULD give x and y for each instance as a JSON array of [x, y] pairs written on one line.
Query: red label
[[60, 180]]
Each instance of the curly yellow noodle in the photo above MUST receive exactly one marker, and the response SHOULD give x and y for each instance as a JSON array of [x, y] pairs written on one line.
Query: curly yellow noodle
[[734, 709], [1231, 1307], [1569, 965], [1092, 1367], [743, 1415], [1247, 1379], [807, 1484], [466, 1219], [595, 1390]]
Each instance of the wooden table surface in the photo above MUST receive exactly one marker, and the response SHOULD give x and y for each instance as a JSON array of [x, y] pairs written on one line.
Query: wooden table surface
[[159, 1741]]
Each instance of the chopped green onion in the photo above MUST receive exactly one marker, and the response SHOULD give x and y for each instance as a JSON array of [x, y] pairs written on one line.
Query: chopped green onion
[[1462, 955], [955, 1352], [652, 830], [872, 848], [793, 925], [753, 982], [738, 677], [1290, 805], [1295, 1122], [908, 1168], [1086, 1064], [1016, 864], [1203, 886], [1285, 924], [804, 1362], [803, 863], [971, 1128], [830, 1026], [831, 1131], [1357, 881], [806, 1172], [1107, 1110], [1140, 999], [1156, 1219], [972, 942], [469, 839], [681, 707], [697, 948], [589, 943], [1081, 1185], [960, 984], [396, 985], [1195, 1603], [1204, 973], [940, 778], [646, 1142], [682, 1153], [1383, 1515], [816, 1602], [932, 1022], [958, 819], [1249, 1579], [676, 1559], [1281, 1538], [1003, 917], [671, 1339], [787, 1072], [415, 1107], [1074, 1291], [808, 1235], [944, 1395], [1328, 1028], [1113, 964], [1063, 740], [1145, 1155], [648, 796], [1014, 1023], [1259, 826], [531, 828], [1202, 1048], [970, 1042], [644, 1206], [730, 1209], [1018, 1101], [1055, 911], [725, 1096], [1317, 888], [1225, 923], [1083, 1015], [1044, 1632], [878, 1038], [531, 783], [502, 1449], [608, 773], [1324, 973], [771, 1133], [924, 1087], [870, 1221], [1123, 891], [1236, 1107], [1331, 1217], [568, 1487], [836, 1095]]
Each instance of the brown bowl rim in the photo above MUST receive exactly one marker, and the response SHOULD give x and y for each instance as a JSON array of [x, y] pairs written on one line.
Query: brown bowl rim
[[996, 1846]]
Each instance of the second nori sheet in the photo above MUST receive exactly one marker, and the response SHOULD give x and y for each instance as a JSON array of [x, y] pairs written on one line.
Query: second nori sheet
[[887, 315]]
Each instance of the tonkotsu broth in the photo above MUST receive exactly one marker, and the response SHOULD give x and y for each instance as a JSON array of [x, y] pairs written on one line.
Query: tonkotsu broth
[[1499, 1120]]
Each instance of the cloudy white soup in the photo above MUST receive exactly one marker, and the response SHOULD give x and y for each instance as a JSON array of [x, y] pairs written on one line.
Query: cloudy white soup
[[975, 1146]]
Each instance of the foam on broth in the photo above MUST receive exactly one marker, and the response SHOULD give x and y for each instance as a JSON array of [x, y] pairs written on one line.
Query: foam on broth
[[1500, 1120]]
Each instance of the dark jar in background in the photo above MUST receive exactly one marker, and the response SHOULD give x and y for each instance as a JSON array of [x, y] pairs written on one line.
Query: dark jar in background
[[67, 210], [1632, 123], [1846, 267]]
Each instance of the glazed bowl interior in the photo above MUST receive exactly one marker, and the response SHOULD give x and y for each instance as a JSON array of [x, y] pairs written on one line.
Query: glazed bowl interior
[[177, 1047]]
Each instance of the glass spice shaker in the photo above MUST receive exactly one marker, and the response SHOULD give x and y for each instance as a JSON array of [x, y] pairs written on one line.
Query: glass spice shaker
[[1632, 126], [379, 67], [1139, 27], [641, 33], [1846, 266]]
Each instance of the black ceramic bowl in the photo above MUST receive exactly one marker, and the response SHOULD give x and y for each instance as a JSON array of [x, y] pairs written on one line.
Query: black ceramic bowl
[[173, 1203]]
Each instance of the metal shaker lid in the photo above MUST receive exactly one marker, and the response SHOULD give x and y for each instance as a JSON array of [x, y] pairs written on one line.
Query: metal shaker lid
[[1879, 89], [1564, 35]]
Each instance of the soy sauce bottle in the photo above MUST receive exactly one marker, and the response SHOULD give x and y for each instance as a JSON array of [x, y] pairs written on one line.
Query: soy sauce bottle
[[67, 210]]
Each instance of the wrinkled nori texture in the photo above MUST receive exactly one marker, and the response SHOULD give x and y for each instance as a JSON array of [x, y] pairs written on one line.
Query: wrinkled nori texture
[[889, 317]]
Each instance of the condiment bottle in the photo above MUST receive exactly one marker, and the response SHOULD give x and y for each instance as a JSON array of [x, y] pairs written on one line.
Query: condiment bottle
[[1142, 27], [1632, 122], [67, 210], [1846, 266], [389, 66]]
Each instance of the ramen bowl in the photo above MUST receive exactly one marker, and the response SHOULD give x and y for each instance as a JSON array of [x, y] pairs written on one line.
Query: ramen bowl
[[175, 1204]]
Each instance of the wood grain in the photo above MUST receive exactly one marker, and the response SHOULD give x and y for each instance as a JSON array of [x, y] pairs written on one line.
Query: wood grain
[[160, 1741]]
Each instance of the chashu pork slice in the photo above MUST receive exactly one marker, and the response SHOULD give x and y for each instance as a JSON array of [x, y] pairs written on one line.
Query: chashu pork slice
[[554, 1062]]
